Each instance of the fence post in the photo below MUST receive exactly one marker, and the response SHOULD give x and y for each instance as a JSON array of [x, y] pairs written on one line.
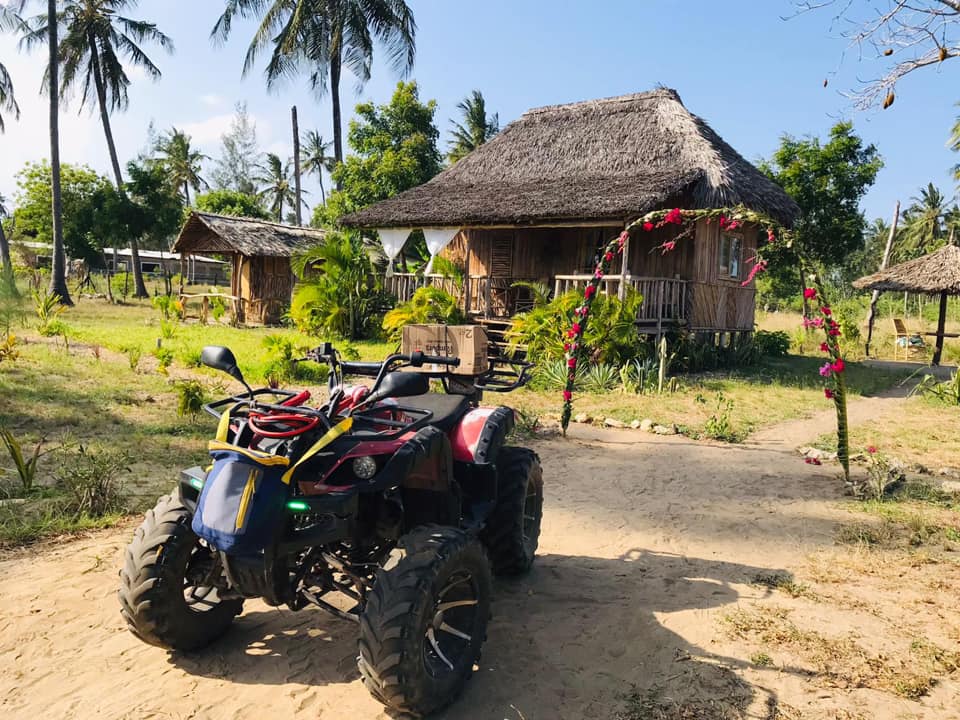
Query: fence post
[[663, 365]]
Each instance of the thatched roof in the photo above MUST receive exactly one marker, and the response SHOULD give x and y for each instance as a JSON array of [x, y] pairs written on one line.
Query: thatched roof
[[935, 273], [206, 232], [601, 160]]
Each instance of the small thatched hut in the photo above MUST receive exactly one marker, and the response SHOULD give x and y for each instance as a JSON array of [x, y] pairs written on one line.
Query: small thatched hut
[[937, 273], [538, 201], [260, 251]]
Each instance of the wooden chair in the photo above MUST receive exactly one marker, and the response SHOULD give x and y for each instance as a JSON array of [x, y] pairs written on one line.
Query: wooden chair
[[910, 342]]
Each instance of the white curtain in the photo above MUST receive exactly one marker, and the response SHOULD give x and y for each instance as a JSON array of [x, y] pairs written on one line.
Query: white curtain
[[392, 240], [437, 239]]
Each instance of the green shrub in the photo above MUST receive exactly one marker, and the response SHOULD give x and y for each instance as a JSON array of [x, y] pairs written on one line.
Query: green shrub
[[168, 306], [947, 392], [191, 397], [610, 335], [772, 344], [218, 306], [283, 366], [601, 378], [24, 464], [190, 357], [122, 284], [164, 358], [92, 481], [553, 374], [133, 353], [719, 426], [640, 375], [428, 305], [48, 308], [8, 348]]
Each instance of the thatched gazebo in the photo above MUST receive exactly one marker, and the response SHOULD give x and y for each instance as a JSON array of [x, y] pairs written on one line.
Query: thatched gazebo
[[537, 201], [935, 274], [261, 276]]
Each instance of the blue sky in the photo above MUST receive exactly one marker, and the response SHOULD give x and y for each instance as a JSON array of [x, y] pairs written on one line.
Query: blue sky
[[752, 75]]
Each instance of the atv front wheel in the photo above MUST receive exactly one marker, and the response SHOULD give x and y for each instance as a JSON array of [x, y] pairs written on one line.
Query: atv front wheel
[[425, 621], [512, 532], [168, 593]]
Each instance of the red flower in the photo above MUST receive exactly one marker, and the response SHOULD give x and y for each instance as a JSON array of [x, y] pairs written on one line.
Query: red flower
[[648, 226], [809, 293], [723, 222], [608, 257], [771, 237], [624, 236], [824, 347], [567, 396], [872, 450], [828, 393], [837, 365], [575, 328], [759, 266], [572, 363], [674, 216], [812, 461], [734, 224], [825, 310], [566, 347], [834, 331], [668, 246], [589, 291]]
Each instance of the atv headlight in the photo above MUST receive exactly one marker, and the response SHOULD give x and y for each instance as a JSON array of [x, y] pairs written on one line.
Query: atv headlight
[[364, 467]]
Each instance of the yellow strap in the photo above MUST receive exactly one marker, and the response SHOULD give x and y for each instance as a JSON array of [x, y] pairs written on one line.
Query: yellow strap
[[332, 434], [248, 491], [223, 427], [261, 458]]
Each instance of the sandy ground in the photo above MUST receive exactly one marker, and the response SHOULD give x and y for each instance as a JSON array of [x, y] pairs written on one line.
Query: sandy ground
[[648, 544]]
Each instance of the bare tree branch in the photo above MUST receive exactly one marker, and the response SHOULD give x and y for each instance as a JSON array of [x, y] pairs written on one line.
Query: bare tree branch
[[905, 34]]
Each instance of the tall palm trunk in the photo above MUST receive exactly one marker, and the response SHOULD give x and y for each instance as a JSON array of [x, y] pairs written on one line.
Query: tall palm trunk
[[296, 167], [139, 288], [186, 191], [58, 270], [335, 101], [280, 209], [323, 193], [6, 266]]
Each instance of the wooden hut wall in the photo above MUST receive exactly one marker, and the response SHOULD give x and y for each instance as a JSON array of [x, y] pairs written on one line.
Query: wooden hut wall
[[266, 287], [720, 303]]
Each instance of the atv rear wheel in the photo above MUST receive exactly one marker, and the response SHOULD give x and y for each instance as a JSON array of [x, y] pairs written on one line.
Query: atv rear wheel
[[426, 620], [512, 532], [163, 597]]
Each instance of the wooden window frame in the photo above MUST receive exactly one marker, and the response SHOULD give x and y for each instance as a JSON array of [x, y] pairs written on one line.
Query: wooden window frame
[[723, 271]]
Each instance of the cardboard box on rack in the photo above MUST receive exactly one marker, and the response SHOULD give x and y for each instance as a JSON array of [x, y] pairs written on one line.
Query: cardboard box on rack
[[467, 342]]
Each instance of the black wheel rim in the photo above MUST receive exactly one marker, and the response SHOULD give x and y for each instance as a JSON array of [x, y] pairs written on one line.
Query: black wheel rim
[[450, 629], [531, 516], [199, 592]]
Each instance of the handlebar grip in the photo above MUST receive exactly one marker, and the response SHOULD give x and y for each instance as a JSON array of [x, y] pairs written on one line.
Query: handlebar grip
[[418, 358], [368, 369]]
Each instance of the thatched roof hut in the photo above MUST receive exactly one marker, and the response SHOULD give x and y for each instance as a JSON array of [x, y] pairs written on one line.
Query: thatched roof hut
[[261, 251], [937, 273], [601, 160]]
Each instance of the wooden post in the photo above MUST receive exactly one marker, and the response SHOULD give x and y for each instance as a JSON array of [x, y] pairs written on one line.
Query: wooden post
[[941, 327], [883, 266], [296, 167], [624, 264], [663, 365], [466, 277]]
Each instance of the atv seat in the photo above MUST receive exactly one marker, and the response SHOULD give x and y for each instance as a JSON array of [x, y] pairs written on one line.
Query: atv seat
[[447, 409]]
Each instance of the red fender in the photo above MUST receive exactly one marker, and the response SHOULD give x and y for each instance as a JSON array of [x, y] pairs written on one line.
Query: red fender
[[465, 438]]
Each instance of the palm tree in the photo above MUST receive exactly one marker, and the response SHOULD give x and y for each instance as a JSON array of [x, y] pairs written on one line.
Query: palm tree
[[58, 266], [182, 162], [6, 265], [925, 224], [314, 157], [95, 38], [475, 129], [324, 36], [278, 190], [9, 20]]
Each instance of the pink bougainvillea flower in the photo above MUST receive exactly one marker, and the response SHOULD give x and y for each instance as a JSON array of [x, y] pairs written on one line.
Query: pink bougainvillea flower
[[734, 224], [624, 236], [838, 365], [829, 394], [575, 328], [668, 246], [826, 370], [813, 322], [809, 293], [771, 236], [566, 347], [834, 332], [824, 347], [826, 310], [589, 291], [872, 449], [608, 257], [572, 363], [759, 267], [674, 217], [723, 222], [567, 396], [648, 226], [812, 461]]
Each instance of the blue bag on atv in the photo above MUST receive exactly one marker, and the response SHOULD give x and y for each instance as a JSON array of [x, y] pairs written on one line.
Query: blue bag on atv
[[242, 504]]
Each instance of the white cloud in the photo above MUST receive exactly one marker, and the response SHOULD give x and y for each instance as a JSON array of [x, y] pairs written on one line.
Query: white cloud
[[209, 130], [211, 100]]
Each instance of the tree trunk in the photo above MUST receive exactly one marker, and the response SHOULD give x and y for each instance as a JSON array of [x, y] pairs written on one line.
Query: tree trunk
[[140, 288], [6, 264], [58, 270], [280, 209], [883, 266], [941, 328], [298, 190], [335, 101], [323, 193], [186, 192]]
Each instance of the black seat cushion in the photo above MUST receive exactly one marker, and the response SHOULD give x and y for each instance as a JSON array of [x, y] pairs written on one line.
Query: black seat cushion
[[447, 409]]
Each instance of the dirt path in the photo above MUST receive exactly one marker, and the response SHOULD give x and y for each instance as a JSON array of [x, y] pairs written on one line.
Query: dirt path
[[647, 543]]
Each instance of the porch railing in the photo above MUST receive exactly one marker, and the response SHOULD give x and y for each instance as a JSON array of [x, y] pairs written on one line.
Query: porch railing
[[663, 298], [404, 285]]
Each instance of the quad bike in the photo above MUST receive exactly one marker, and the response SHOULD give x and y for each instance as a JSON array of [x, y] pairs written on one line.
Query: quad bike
[[398, 500]]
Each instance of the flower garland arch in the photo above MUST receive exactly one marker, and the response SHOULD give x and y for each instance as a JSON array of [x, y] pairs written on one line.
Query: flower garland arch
[[821, 317]]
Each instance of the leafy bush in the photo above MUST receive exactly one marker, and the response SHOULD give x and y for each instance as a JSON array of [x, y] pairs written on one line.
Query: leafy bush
[[771, 344], [8, 348], [133, 353], [25, 465], [48, 308], [92, 482], [340, 295], [601, 378], [552, 375], [168, 306], [191, 397], [164, 358], [428, 305], [947, 392], [190, 357], [282, 365], [218, 306], [121, 284], [168, 329], [719, 426], [640, 375], [610, 334]]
